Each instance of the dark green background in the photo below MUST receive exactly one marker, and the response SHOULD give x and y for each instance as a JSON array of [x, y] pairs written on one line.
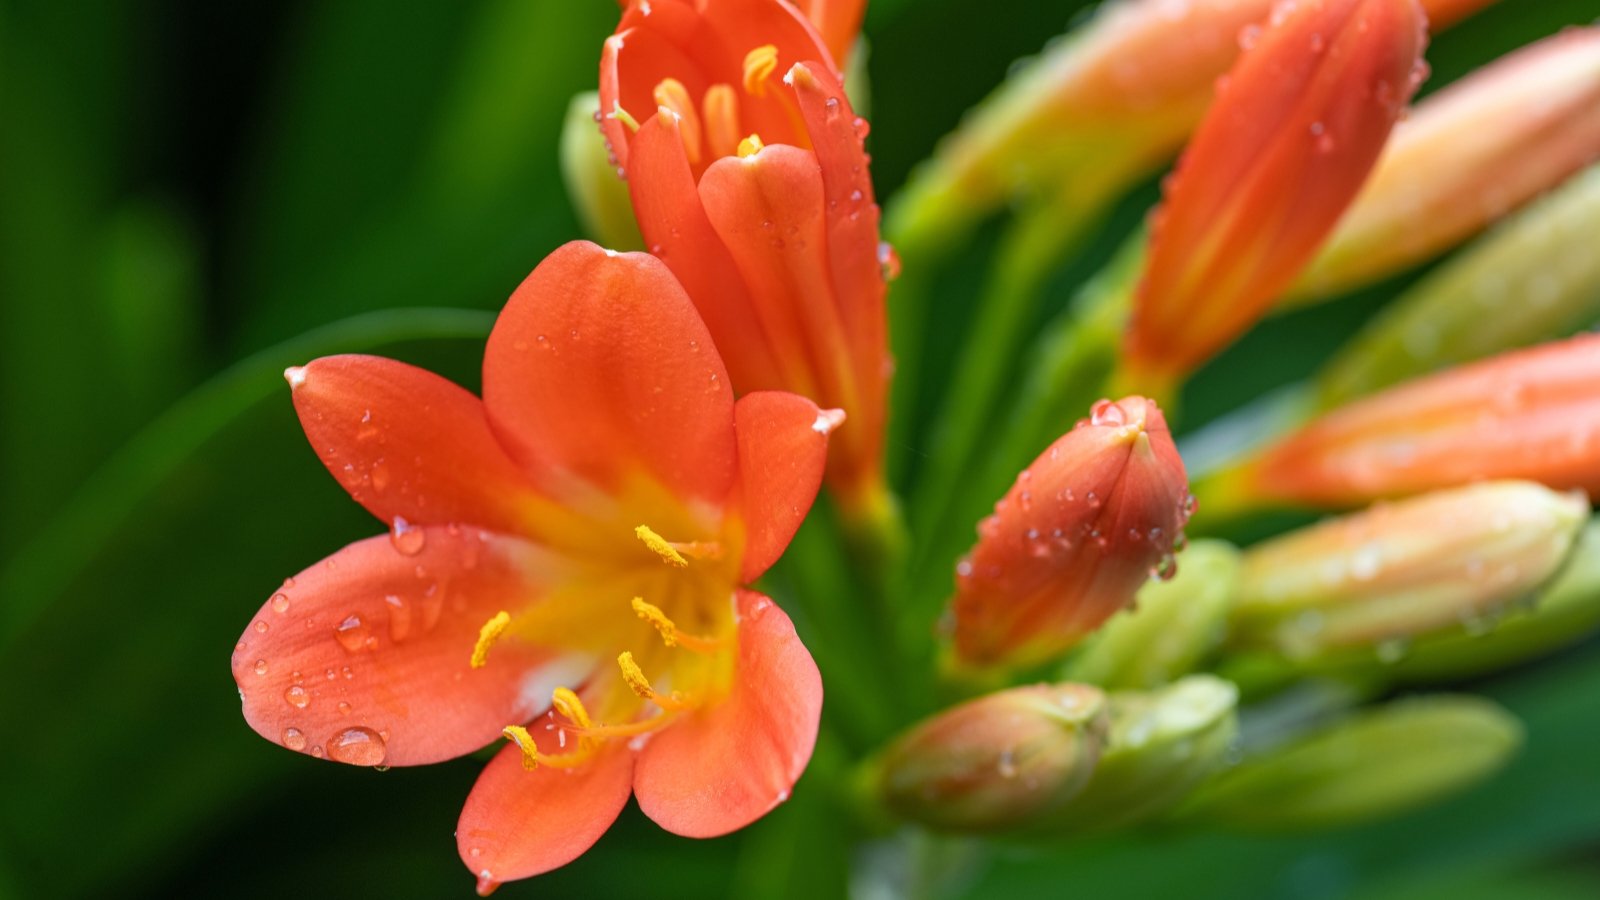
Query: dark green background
[[190, 193]]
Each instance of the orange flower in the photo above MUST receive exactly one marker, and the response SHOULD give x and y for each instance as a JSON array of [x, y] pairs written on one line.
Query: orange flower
[[1295, 128], [1531, 414], [563, 568], [1468, 154], [838, 21], [752, 186], [1073, 540]]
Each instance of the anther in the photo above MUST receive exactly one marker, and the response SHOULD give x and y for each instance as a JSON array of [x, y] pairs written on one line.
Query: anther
[[759, 64], [670, 633], [660, 546], [721, 108], [634, 676], [566, 702], [487, 635], [672, 95], [750, 146], [524, 741]]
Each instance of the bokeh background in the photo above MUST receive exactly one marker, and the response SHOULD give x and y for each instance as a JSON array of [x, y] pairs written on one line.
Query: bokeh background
[[194, 195]]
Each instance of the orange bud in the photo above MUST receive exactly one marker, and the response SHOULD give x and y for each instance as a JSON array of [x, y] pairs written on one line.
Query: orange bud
[[1001, 761], [1531, 414], [1071, 543], [1468, 155], [1294, 130]]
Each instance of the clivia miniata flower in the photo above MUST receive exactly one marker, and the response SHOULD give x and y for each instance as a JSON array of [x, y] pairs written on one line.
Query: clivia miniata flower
[[1072, 541], [564, 568], [1530, 414], [749, 180], [1295, 128]]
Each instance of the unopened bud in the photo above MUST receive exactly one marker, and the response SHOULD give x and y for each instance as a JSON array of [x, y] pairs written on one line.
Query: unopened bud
[[1399, 757], [1534, 278], [1163, 745], [1466, 156], [1081, 530], [998, 762], [599, 195], [1381, 578], [1532, 414], [1169, 630], [1280, 154]]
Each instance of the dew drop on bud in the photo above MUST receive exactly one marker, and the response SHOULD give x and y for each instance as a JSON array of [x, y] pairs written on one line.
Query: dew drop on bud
[[351, 633], [1104, 412], [357, 747], [406, 538]]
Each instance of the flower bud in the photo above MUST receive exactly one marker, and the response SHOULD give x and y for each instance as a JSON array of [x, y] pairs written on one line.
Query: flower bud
[[1081, 529], [1532, 414], [1285, 146], [1398, 757], [997, 762], [1163, 744], [1467, 155], [1169, 630], [1387, 575], [598, 194], [1534, 278]]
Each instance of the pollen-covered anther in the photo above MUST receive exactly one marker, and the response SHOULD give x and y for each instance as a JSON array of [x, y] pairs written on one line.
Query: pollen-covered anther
[[759, 64], [640, 685], [524, 741], [487, 635], [750, 146], [720, 106], [566, 702], [623, 116], [670, 94], [661, 547], [671, 635]]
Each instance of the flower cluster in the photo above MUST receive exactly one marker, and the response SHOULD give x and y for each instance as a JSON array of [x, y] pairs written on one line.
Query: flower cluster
[[570, 557]]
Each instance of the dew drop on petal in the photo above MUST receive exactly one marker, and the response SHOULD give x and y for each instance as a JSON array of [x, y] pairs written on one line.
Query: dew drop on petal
[[261, 667], [352, 633], [294, 739], [406, 538], [357, 747], [261, 626], [297, 697], [280, 603]]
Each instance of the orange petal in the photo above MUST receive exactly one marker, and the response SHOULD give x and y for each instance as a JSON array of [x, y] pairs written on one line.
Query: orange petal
[[363, 658], [599, 366], [783, 446], [722, 767], [675, 228], [1074, 539], [1280, 154], [406, 442], [518, 824], [1532, 414], [838, 21]]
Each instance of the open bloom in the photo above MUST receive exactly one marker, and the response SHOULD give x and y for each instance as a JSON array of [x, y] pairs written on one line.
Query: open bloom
[[752, 186], [1531, 414], [1295, 128], [1081, 529], [564, 568]]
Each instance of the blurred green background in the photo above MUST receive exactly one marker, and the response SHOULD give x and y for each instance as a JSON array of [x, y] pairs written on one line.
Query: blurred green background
[[195, 195]]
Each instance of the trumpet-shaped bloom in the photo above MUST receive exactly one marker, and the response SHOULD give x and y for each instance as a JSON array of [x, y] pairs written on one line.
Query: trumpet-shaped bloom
[[563, 568], [1531, 414], [1467, 155], [1081, 529], [752, 186], [1295, 128]]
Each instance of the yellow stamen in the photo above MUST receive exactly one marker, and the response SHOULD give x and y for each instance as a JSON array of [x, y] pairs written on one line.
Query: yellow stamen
[[642, 726], [671, 94], [634, 676], [566, 702], [487, 635], [759, 64], [750, 146], [621, 115], [660, 546], [670, 634], [721, 107], [524, 741]]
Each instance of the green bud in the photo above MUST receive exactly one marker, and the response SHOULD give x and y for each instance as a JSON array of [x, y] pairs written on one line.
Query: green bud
[[599, 195], [998, 762], [1163, 744], [1376, 580], [1171, 628], [1378, 763], [1534, 278]]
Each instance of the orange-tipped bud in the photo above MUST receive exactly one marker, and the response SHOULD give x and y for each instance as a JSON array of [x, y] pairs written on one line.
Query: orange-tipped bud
[[1295, 128], [1083, 527], [1468, 155], [1431, 564], [1006, 760], [1532, 414]]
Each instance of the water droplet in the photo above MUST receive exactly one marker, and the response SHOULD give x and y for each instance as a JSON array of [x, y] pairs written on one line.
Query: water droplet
[[294, 739], [317, 751], [399, 617], [261, 667], [888, 261], [1104, 412], [379, 476], [297, 696], [863, 128], [357, 747], [406, 538], [261, 626], [352, 633], [344, 708]]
